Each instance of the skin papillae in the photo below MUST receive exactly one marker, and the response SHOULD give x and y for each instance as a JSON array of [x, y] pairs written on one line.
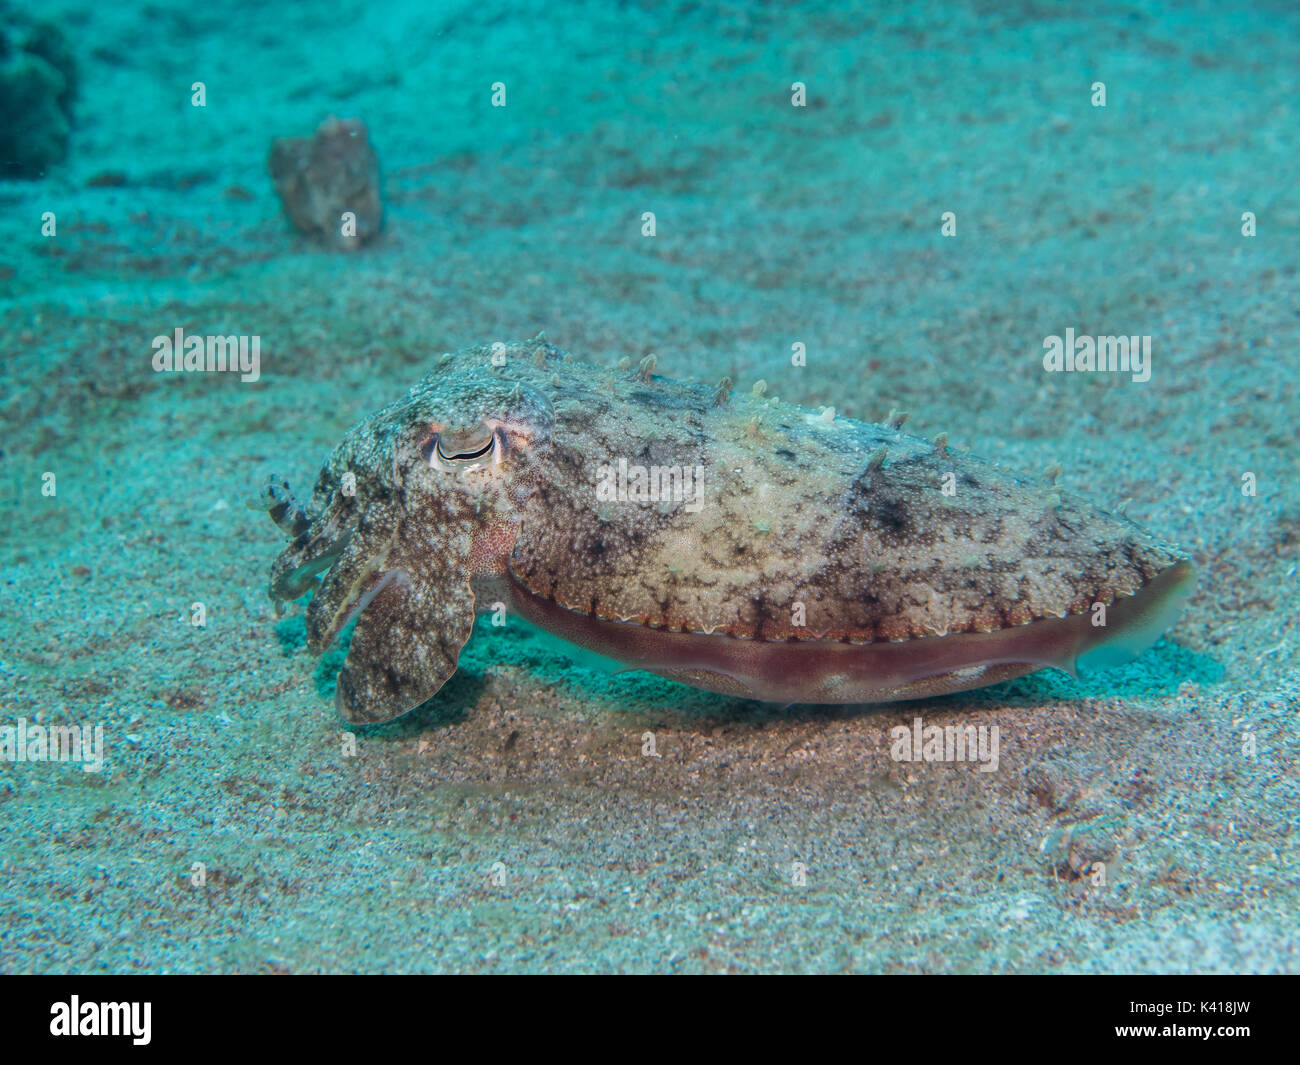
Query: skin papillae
[[811, 558]]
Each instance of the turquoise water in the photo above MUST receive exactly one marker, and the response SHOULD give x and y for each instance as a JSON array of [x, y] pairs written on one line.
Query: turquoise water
[[920, 196]]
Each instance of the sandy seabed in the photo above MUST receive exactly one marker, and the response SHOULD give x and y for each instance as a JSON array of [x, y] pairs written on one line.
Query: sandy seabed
[[514, 823]]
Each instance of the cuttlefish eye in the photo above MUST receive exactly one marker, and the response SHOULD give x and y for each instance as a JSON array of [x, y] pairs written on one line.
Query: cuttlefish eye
[[454, 452]]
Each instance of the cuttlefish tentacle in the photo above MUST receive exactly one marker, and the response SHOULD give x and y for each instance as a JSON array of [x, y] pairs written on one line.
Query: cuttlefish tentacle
[[290, 516], [319, 533], [316, 541]]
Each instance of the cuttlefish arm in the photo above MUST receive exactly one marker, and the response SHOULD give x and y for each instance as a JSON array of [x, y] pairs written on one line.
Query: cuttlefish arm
[[416, 613], [411, 599]]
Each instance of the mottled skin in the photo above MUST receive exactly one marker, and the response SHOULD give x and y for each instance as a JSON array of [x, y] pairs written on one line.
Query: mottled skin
[[829, 560]]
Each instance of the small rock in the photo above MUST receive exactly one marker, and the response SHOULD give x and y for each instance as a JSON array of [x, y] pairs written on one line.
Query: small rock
[[38, 83], [321, 179]]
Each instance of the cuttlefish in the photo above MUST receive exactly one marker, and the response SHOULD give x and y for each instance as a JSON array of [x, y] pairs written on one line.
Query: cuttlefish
[[720, 538]]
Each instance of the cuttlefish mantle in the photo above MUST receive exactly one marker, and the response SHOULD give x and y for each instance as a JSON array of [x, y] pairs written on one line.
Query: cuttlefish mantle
[[719, 538]]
